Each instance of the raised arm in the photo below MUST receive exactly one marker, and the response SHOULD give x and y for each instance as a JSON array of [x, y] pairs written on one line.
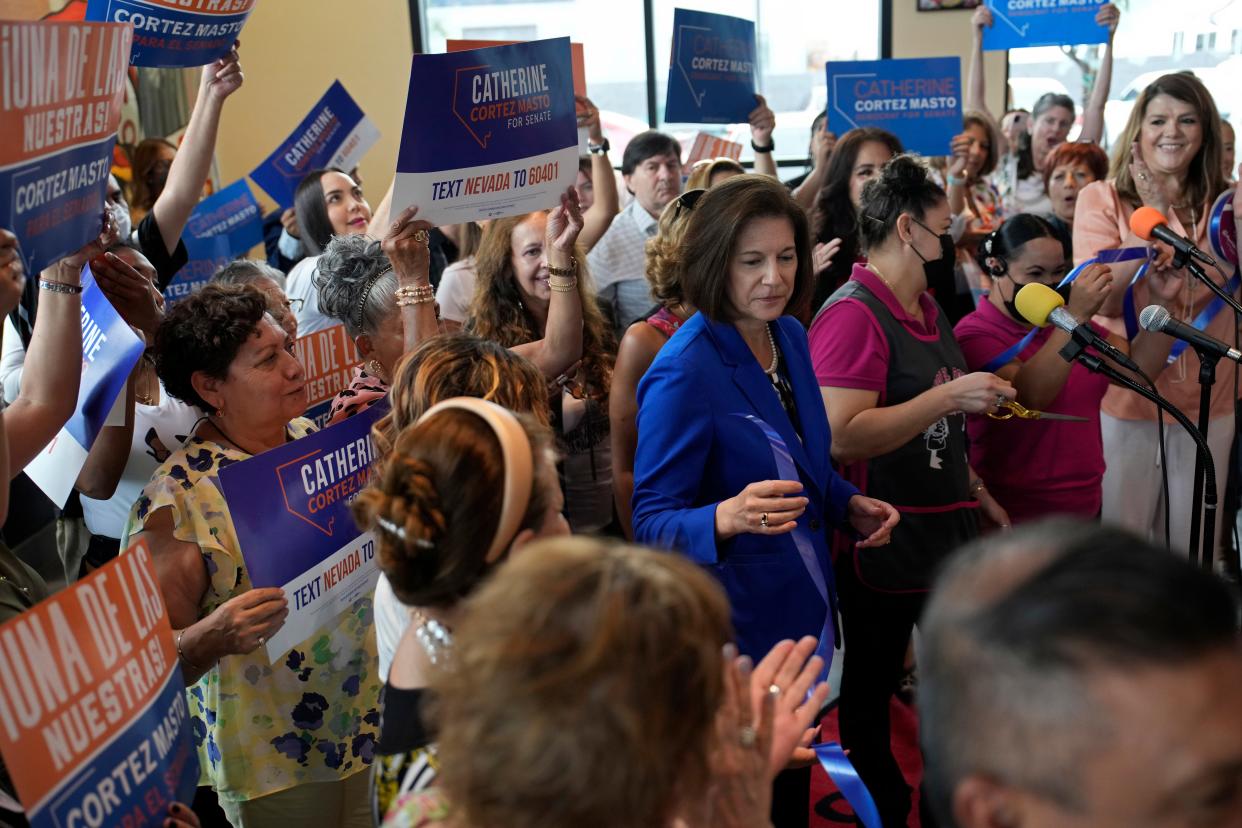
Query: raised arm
[[379, 218], [405, 244], [561, 345], [53, 369], [976, 93], [1093, 115], [190, 167], [762, 123], [822, 145], [598, 217]]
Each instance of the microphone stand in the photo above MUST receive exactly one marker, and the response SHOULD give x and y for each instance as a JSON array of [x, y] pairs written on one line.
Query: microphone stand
[[1207, 377], [1205, 491]]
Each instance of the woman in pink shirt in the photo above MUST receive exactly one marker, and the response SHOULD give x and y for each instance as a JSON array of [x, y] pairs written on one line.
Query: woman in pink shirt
[[1168, 158], [1037, 468]]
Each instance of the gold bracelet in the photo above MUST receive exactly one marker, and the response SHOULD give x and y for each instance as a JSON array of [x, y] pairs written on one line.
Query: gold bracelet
[[181, 655], [414, 291], [406, 301], [976, 487], [572, 270], [567, 286]]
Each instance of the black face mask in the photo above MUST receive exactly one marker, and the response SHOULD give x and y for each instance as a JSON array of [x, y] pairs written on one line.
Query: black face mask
[[939, 272], [1011, 305]]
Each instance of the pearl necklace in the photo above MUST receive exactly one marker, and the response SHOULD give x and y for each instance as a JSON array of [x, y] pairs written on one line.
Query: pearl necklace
[[776, 355], [434, 637]]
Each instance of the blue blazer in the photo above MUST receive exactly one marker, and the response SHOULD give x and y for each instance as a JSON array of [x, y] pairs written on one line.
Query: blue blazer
[[694, 450]]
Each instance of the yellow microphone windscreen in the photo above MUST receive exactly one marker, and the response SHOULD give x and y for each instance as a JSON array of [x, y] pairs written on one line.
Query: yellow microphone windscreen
[[1036, 301]]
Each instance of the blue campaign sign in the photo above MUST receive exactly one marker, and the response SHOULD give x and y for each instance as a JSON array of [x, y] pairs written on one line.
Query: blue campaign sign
[[335, 133], [290, 507], [110, 350], [711, 73], [176, 32], [222, 227], [917, 99], [1020, 23], [63, 86], [507, 137]]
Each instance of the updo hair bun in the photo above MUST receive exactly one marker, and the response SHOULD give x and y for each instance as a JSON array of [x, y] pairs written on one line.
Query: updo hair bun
[[903, 171], [903, 186], [406, 515]]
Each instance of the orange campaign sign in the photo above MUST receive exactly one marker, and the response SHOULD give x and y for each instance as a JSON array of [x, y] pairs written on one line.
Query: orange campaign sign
[[709, 147], [61, 89], [94, 725], [329, 358]]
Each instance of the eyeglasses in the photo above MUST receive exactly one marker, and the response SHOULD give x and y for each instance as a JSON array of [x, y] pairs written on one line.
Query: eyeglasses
[[686, 201], [295, 303]]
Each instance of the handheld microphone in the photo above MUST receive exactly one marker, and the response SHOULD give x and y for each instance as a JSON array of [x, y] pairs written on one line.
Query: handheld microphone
[[1149, 224], [1040, 305], [1157, 319]]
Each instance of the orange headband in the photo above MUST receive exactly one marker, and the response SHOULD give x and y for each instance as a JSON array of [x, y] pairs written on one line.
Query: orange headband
[[519, 464]]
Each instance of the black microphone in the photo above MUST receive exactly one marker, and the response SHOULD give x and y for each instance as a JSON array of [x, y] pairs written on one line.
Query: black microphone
[[1157, 319], [1148, 223], [1041, 305]]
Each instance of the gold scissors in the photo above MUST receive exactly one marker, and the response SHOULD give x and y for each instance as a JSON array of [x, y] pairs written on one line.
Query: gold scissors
[[1009, 409]]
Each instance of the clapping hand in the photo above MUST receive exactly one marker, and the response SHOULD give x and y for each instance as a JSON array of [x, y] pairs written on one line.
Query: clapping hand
[[787, 674]]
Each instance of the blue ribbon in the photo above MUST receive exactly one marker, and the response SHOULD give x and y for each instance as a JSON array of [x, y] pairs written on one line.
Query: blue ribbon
[[1011, 353], [833, 760], [786, 470]]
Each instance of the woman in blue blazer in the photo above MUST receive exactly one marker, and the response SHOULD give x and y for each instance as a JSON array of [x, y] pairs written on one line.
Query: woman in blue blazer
[[733, 466]]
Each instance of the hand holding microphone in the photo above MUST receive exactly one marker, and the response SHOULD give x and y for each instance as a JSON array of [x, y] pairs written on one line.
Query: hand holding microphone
[[1041, 305]]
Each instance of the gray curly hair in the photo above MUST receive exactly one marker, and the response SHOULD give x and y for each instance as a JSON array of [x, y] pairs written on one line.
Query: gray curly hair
[[356, 284]]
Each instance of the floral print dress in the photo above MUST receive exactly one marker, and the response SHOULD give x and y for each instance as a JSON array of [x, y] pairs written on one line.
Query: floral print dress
[[260, 727]]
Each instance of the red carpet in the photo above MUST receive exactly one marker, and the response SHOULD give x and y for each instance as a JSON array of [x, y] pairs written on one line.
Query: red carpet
[[828, 807]]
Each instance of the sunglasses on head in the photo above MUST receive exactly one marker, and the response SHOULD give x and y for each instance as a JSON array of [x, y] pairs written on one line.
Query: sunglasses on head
[[686, 201]]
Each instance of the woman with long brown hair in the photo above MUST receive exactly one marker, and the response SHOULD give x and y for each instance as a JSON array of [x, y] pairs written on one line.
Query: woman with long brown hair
[[1168, 158], [524, 264]]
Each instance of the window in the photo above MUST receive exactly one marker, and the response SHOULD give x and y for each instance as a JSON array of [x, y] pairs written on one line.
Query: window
[[1149, 43], [794, 42]]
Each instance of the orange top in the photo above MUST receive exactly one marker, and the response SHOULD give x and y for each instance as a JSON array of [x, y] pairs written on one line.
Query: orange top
[[1102, 222]]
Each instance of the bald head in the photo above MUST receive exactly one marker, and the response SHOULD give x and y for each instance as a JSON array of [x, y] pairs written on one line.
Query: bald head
[[1018, 643]]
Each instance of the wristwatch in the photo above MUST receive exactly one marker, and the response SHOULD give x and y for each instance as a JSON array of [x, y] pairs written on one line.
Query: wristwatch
[[769, 148], [599, 149]]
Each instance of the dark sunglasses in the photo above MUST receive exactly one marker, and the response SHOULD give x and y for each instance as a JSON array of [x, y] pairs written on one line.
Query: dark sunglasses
[[686, 201]]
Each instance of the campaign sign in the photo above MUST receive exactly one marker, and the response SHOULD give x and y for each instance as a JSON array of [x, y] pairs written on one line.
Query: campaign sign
[[917, 99], [579, 63], [329, 358], [1017, 24], [506, 137], [110, 350], [60, 103], [222, 227], [94, 726], [335, 133], [711, 73], [176, 32], [290, 507], [708, 148]]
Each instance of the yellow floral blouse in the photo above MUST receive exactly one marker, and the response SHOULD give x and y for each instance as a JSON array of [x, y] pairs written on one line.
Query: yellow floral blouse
[[260, 727]]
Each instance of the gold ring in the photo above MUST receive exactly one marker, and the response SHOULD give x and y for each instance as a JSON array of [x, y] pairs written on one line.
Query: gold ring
[[763, 520], [421, 237]]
